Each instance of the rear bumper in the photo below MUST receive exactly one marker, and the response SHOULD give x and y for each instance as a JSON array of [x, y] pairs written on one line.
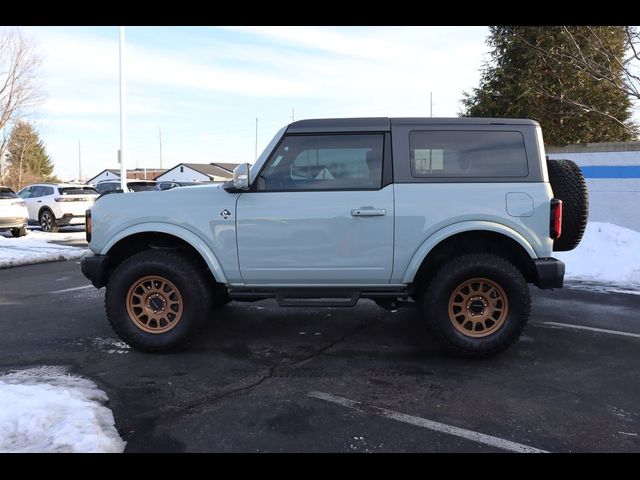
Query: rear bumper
[[95, 269], [70, 219], [549, 273], [13, 222]]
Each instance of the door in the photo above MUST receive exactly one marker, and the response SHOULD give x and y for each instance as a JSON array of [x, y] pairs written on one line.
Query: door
[[319, 213], [28, 194]]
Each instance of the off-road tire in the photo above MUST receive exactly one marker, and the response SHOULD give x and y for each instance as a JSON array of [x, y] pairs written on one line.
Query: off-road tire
[[179, 269], [569, 185], [436, 304], [218, 296]]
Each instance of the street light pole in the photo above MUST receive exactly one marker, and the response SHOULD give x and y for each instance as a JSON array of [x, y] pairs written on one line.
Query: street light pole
[[123, 168]]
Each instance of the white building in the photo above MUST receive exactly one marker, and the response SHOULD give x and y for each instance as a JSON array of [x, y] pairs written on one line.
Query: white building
[[107, 174], [198, 172], [132, 174]]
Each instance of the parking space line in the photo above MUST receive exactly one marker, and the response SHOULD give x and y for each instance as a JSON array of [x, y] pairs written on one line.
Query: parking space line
[[429, 424], [73, 289], [591, 329]]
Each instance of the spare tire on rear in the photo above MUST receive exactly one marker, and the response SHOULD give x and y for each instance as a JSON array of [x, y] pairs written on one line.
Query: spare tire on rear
[[568, 184]]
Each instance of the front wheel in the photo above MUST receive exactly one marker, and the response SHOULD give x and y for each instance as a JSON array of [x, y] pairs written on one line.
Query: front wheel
[[156, 300], [477, 305]]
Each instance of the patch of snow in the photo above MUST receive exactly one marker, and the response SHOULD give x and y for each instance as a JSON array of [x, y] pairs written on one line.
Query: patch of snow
[[608, 254], [110, 345], [45, 409], [35, 247]]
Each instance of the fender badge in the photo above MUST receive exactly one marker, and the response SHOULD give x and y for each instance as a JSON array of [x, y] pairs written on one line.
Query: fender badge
[[225, 213]]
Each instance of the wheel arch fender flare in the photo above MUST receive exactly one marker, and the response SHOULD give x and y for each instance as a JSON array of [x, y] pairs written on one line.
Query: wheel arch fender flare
[[441, 235], [195, 241], [43, 208]]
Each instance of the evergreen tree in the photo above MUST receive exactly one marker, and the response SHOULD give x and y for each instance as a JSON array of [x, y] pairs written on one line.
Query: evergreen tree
[[532, 75], [27, 157]]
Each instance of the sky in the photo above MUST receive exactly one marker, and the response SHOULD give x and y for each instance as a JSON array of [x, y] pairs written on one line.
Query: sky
[[204, 87]]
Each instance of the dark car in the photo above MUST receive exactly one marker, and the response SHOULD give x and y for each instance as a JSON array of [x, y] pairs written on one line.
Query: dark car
[[132, 185], [170, 185]]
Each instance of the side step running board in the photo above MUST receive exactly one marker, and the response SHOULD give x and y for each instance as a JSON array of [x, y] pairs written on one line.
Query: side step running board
[[316, 297]]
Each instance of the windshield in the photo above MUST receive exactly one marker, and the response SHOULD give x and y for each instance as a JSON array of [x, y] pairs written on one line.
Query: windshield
[[255, 168], [7, 193], [141, 186], [78, 191]]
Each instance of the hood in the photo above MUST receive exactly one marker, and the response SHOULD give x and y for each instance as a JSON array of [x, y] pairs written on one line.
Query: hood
[[195, 208]]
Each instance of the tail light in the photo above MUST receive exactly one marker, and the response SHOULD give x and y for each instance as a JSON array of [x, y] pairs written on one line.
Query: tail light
[[87, 217], [556, 219]]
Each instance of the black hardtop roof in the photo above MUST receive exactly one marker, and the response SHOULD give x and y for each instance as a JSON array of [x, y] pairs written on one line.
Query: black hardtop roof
[[385, 123]]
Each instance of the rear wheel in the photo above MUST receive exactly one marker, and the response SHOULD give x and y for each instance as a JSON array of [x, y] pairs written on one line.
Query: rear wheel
[[477, 305], [48, 221], [19, 232], [156, 300]]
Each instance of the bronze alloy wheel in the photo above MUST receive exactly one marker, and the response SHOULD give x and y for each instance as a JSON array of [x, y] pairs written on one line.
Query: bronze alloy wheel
[[478, 307], [154, 304]]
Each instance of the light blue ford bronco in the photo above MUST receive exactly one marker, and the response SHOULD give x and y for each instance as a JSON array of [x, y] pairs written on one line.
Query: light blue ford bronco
[[455, 216]]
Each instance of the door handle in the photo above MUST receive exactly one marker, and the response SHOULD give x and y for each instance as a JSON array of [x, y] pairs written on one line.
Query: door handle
[[368, 212], [39, 201]]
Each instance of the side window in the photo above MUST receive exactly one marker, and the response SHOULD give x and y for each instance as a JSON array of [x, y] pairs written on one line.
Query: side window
[[439, 153], [36, 192], [47, 191], [325, 162], [25, 193]]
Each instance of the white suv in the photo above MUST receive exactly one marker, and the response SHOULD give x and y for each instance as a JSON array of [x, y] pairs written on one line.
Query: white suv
[[58, 205], [13, 213]]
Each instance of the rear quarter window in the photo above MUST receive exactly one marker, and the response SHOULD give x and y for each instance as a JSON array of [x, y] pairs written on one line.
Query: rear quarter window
[[464, 153]]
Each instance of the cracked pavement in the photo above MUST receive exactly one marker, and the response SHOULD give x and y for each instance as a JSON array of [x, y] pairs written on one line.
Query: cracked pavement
[[243, 384]]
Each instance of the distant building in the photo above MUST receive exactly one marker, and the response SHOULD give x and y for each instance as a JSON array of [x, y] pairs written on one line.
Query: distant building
[[199, 172], [108, 174], [612, 172], [132, 174]]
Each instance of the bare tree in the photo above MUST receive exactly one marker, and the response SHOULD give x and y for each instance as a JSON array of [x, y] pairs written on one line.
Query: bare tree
[[19, 88], [589, 51]]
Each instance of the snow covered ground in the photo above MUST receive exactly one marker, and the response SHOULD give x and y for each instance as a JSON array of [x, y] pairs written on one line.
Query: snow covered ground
[[45, 409], [607, 255], [35, 247]]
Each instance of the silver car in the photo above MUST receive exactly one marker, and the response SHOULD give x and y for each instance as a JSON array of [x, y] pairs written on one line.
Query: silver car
[[13, 212]]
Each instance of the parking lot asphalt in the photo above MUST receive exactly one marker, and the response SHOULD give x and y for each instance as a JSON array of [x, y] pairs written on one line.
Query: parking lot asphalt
[[260, 378]]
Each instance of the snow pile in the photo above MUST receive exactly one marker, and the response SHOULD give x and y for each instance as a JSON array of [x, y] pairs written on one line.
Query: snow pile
[[608, 254], [35, 248], [45, 409]]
